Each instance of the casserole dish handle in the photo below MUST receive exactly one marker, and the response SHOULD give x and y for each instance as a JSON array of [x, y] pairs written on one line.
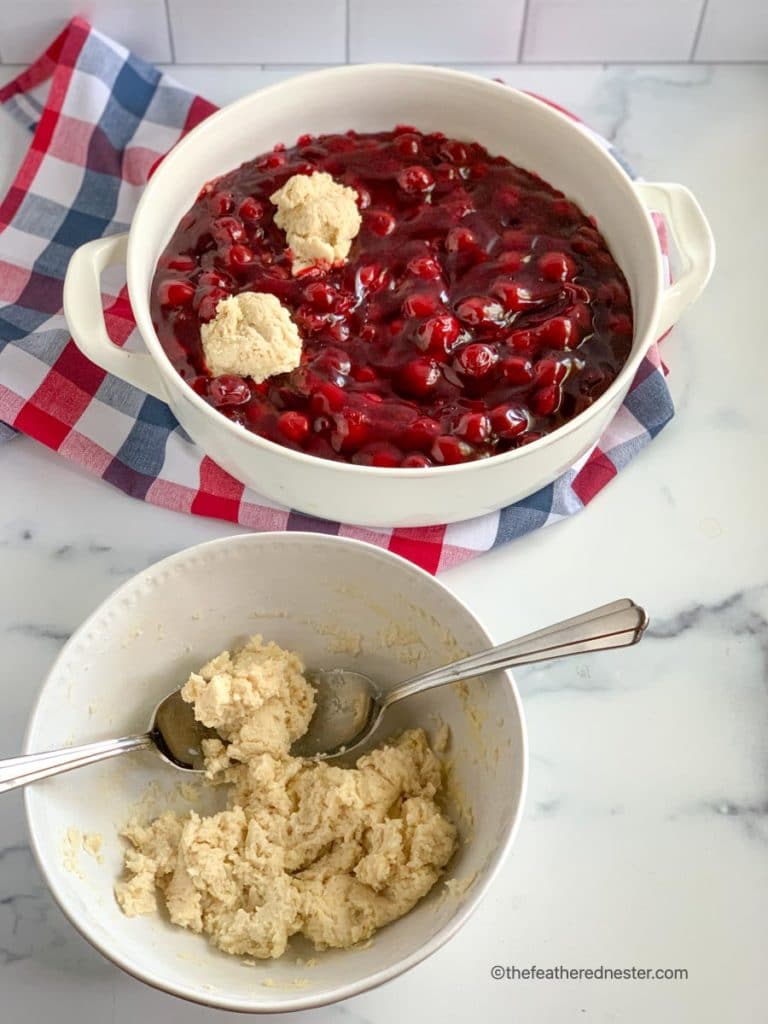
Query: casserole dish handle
[[85, 316], [693, 238]]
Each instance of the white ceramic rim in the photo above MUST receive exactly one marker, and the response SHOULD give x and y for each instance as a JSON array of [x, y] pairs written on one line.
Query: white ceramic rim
[[611, 167], [355, 988]]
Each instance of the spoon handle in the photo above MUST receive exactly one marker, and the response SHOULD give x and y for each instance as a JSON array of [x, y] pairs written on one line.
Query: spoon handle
[[618, 624], [18, 771]]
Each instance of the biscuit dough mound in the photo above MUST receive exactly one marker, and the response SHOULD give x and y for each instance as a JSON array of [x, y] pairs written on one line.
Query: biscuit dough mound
[[252, 335], [320, 219], [303, 846]]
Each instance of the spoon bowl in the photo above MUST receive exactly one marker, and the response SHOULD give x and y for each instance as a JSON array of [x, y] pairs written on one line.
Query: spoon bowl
[[173, 733], [177, 735], [350, 706]]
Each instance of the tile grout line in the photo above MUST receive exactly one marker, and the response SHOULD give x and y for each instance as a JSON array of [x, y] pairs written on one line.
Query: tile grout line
[[347, 19], [699, 27], [171, 42], [523, 30]]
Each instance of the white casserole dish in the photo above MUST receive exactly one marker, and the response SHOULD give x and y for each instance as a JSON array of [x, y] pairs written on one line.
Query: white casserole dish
[[307, 592], [374, 97]]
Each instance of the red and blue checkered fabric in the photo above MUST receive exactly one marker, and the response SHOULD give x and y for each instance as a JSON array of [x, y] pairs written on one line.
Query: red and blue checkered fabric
[[100, 119]]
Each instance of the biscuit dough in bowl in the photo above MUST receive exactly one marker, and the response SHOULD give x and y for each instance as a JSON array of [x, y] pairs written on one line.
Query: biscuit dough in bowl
[[302, 847]]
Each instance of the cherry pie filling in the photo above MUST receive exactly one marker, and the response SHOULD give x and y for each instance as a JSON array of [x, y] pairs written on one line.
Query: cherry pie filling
[[479, 309]]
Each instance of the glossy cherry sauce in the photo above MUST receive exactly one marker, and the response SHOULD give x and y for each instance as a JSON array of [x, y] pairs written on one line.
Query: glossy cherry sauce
[[478, 309]]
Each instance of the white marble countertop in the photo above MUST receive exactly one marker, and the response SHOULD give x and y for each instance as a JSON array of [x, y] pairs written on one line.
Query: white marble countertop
[[644, 838]]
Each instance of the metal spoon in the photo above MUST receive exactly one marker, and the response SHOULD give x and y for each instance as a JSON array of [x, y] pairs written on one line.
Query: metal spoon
[[173, 733], [349, 705]]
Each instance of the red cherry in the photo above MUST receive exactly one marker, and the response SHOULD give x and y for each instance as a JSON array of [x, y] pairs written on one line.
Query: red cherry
[[581, 315], [546, 400], [419, 376], [477, 359], [509, 261], [415, 179], [238, 256], [508, 420], [186, 264], [352, 430], [514, 296], [310, 322], [564, 209], [558, 332], [556, 266], [227, 229], [550, 371], [508, 197], [453, 151], [220, 203], [208, 304], [421, 304], [294, 426], [364, 374], [332, 361], [251, 209], [421, 433], [380, 222], [474, 427], [416, 461], [517, 370], [212, 279], [408, 144], [438, 333], [175, 293], [229, 390], [372, 276], [321, 295], [386, 456], [270, 161], [584, 247], [516, 239], [480, 311], [326, 398], [461, 240], [449, 450], [446, 173], [425, 267]]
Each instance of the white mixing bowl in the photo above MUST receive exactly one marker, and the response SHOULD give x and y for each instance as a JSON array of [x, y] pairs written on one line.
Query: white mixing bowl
[[338, 602], [374, 97]]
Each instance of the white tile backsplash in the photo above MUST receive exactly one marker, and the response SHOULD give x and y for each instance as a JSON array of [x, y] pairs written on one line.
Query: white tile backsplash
[[734, 31], [280, 36], [435, 30], [259, 31], [606, 30], [26, 28]]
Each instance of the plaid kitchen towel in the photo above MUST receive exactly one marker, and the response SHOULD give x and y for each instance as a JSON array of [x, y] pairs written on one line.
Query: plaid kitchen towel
[[100, 119]]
